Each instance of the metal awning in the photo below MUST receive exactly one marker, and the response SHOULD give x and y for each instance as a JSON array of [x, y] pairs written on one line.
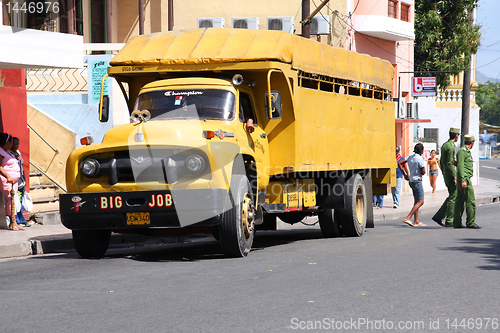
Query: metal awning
[[30, 48]]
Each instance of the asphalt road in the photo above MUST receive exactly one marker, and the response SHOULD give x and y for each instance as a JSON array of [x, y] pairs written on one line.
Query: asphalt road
[[408, 279], [489, 169]]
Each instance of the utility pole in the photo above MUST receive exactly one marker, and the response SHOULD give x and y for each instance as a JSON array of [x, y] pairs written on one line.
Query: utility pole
[[170, 15], [466, 102], [141, 17], [466, 91], [306, 26]]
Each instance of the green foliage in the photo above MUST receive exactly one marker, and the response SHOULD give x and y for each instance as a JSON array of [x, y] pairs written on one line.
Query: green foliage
[[488, 99], [443, 36]]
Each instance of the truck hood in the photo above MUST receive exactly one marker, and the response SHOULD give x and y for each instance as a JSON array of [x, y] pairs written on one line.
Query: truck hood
[[172, 132]]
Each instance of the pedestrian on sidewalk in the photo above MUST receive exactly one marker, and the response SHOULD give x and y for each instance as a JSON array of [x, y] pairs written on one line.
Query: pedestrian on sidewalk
[[465, 191], [432, 169], [21, 184], [447, 165], [417, 169], [9, 174], [401, 171]]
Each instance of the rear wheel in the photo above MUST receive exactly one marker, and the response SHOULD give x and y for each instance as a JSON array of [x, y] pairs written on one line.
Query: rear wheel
[[356, 208], [237, 229], [91, 243], [329, 222]]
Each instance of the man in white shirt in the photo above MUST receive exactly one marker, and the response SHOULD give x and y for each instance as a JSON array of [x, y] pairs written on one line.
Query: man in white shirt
[[416, 165]]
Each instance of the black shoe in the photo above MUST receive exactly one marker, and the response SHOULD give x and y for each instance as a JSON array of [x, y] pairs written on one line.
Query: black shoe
[[458, 227], [448, 225], [474, 226], [440, 222]]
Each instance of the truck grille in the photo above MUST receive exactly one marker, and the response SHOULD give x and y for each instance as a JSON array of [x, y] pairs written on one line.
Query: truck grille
[[163, 166]]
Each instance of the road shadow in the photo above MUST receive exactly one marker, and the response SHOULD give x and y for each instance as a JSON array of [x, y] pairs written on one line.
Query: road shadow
[[194, 247], [489, 248], [209, 248]]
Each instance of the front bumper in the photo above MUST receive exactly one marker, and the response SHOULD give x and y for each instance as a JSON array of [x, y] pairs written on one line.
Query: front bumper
[[164, 209]]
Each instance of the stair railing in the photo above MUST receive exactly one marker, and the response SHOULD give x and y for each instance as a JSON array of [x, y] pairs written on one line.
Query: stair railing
[[50, 178]]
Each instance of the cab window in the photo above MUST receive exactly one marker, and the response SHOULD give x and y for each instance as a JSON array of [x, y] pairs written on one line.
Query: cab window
[[246, 108]]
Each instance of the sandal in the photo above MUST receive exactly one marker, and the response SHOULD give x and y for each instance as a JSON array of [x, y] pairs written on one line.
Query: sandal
[[420, 224], [408, 222]]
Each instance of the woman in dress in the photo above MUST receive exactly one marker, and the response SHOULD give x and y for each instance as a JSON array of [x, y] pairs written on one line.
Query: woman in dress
[[9, 173], [432, 169]]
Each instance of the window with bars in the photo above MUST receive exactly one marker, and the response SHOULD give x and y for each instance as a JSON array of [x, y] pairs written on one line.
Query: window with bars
[[393, 9], [71, 17], [405, 12], [431, 134]]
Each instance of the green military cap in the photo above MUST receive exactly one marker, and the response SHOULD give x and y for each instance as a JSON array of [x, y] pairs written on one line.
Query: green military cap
[[469, 138], [454, 130]]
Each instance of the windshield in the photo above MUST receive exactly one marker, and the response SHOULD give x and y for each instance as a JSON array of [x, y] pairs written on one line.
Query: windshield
[[188, 104]]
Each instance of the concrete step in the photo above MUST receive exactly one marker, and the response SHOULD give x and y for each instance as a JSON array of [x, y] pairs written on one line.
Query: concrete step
[[44, 206], [43, 191], [37, 178], [50, 217]]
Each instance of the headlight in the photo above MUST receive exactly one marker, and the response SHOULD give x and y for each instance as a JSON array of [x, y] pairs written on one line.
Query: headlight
[[195, 164], [90, 167]]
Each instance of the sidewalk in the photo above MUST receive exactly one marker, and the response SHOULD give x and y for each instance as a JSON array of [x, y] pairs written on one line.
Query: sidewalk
[[40, 239]]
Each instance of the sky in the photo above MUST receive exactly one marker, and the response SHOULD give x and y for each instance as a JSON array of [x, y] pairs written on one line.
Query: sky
[[488, 55]]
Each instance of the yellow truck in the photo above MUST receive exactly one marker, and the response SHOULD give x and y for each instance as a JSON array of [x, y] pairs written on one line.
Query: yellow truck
[[230, 129]]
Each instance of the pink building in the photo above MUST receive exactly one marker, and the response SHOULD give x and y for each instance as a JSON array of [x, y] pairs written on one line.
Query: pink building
[[385, 29]]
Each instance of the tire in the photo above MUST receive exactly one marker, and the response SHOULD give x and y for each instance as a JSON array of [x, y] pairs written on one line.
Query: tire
[[91, 243], [329, 222], [356, 207], [237, 229]]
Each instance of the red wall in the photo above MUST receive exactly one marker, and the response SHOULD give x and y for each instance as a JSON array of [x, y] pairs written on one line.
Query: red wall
[[13, 111]]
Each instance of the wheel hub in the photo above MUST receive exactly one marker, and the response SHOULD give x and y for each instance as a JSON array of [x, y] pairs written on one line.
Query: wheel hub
[[248, 216], [359, 206]]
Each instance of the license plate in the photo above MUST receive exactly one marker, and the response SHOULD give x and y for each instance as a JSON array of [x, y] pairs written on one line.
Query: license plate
[[139, 218]]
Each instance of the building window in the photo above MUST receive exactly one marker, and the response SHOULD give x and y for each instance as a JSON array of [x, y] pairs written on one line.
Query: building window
[[405, 12], [393, 9], [71, 21], [431, 135]]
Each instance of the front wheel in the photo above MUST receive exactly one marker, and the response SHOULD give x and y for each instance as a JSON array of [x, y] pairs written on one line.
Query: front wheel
[[91, 243], [237, 229]]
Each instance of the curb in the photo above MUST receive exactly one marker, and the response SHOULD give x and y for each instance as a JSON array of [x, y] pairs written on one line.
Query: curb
[[64, 243]]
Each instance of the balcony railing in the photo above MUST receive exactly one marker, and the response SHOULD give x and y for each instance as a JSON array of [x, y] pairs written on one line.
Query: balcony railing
[[449, 95]]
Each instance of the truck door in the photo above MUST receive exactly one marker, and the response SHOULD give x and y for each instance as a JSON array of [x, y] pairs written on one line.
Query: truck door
[[257, 140]]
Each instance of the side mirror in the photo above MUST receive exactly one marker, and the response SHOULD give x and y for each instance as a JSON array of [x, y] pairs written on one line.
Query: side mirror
[[104, 109], [275, 111]]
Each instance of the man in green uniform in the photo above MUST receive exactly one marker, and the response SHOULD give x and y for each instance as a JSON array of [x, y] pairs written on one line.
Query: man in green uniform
[[465, 192], [450, 180]]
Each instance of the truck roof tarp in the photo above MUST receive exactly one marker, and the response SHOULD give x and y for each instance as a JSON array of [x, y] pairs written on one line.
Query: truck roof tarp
[[213, 45]]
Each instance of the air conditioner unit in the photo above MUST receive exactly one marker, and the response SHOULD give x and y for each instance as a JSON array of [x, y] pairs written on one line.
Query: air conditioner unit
[[320, 25], [245, 23], [283, 23], [409, 111], [211, 22]]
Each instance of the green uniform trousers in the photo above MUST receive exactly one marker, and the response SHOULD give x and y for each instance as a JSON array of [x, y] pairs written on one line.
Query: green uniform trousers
[[465, 197], [448, 207]]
